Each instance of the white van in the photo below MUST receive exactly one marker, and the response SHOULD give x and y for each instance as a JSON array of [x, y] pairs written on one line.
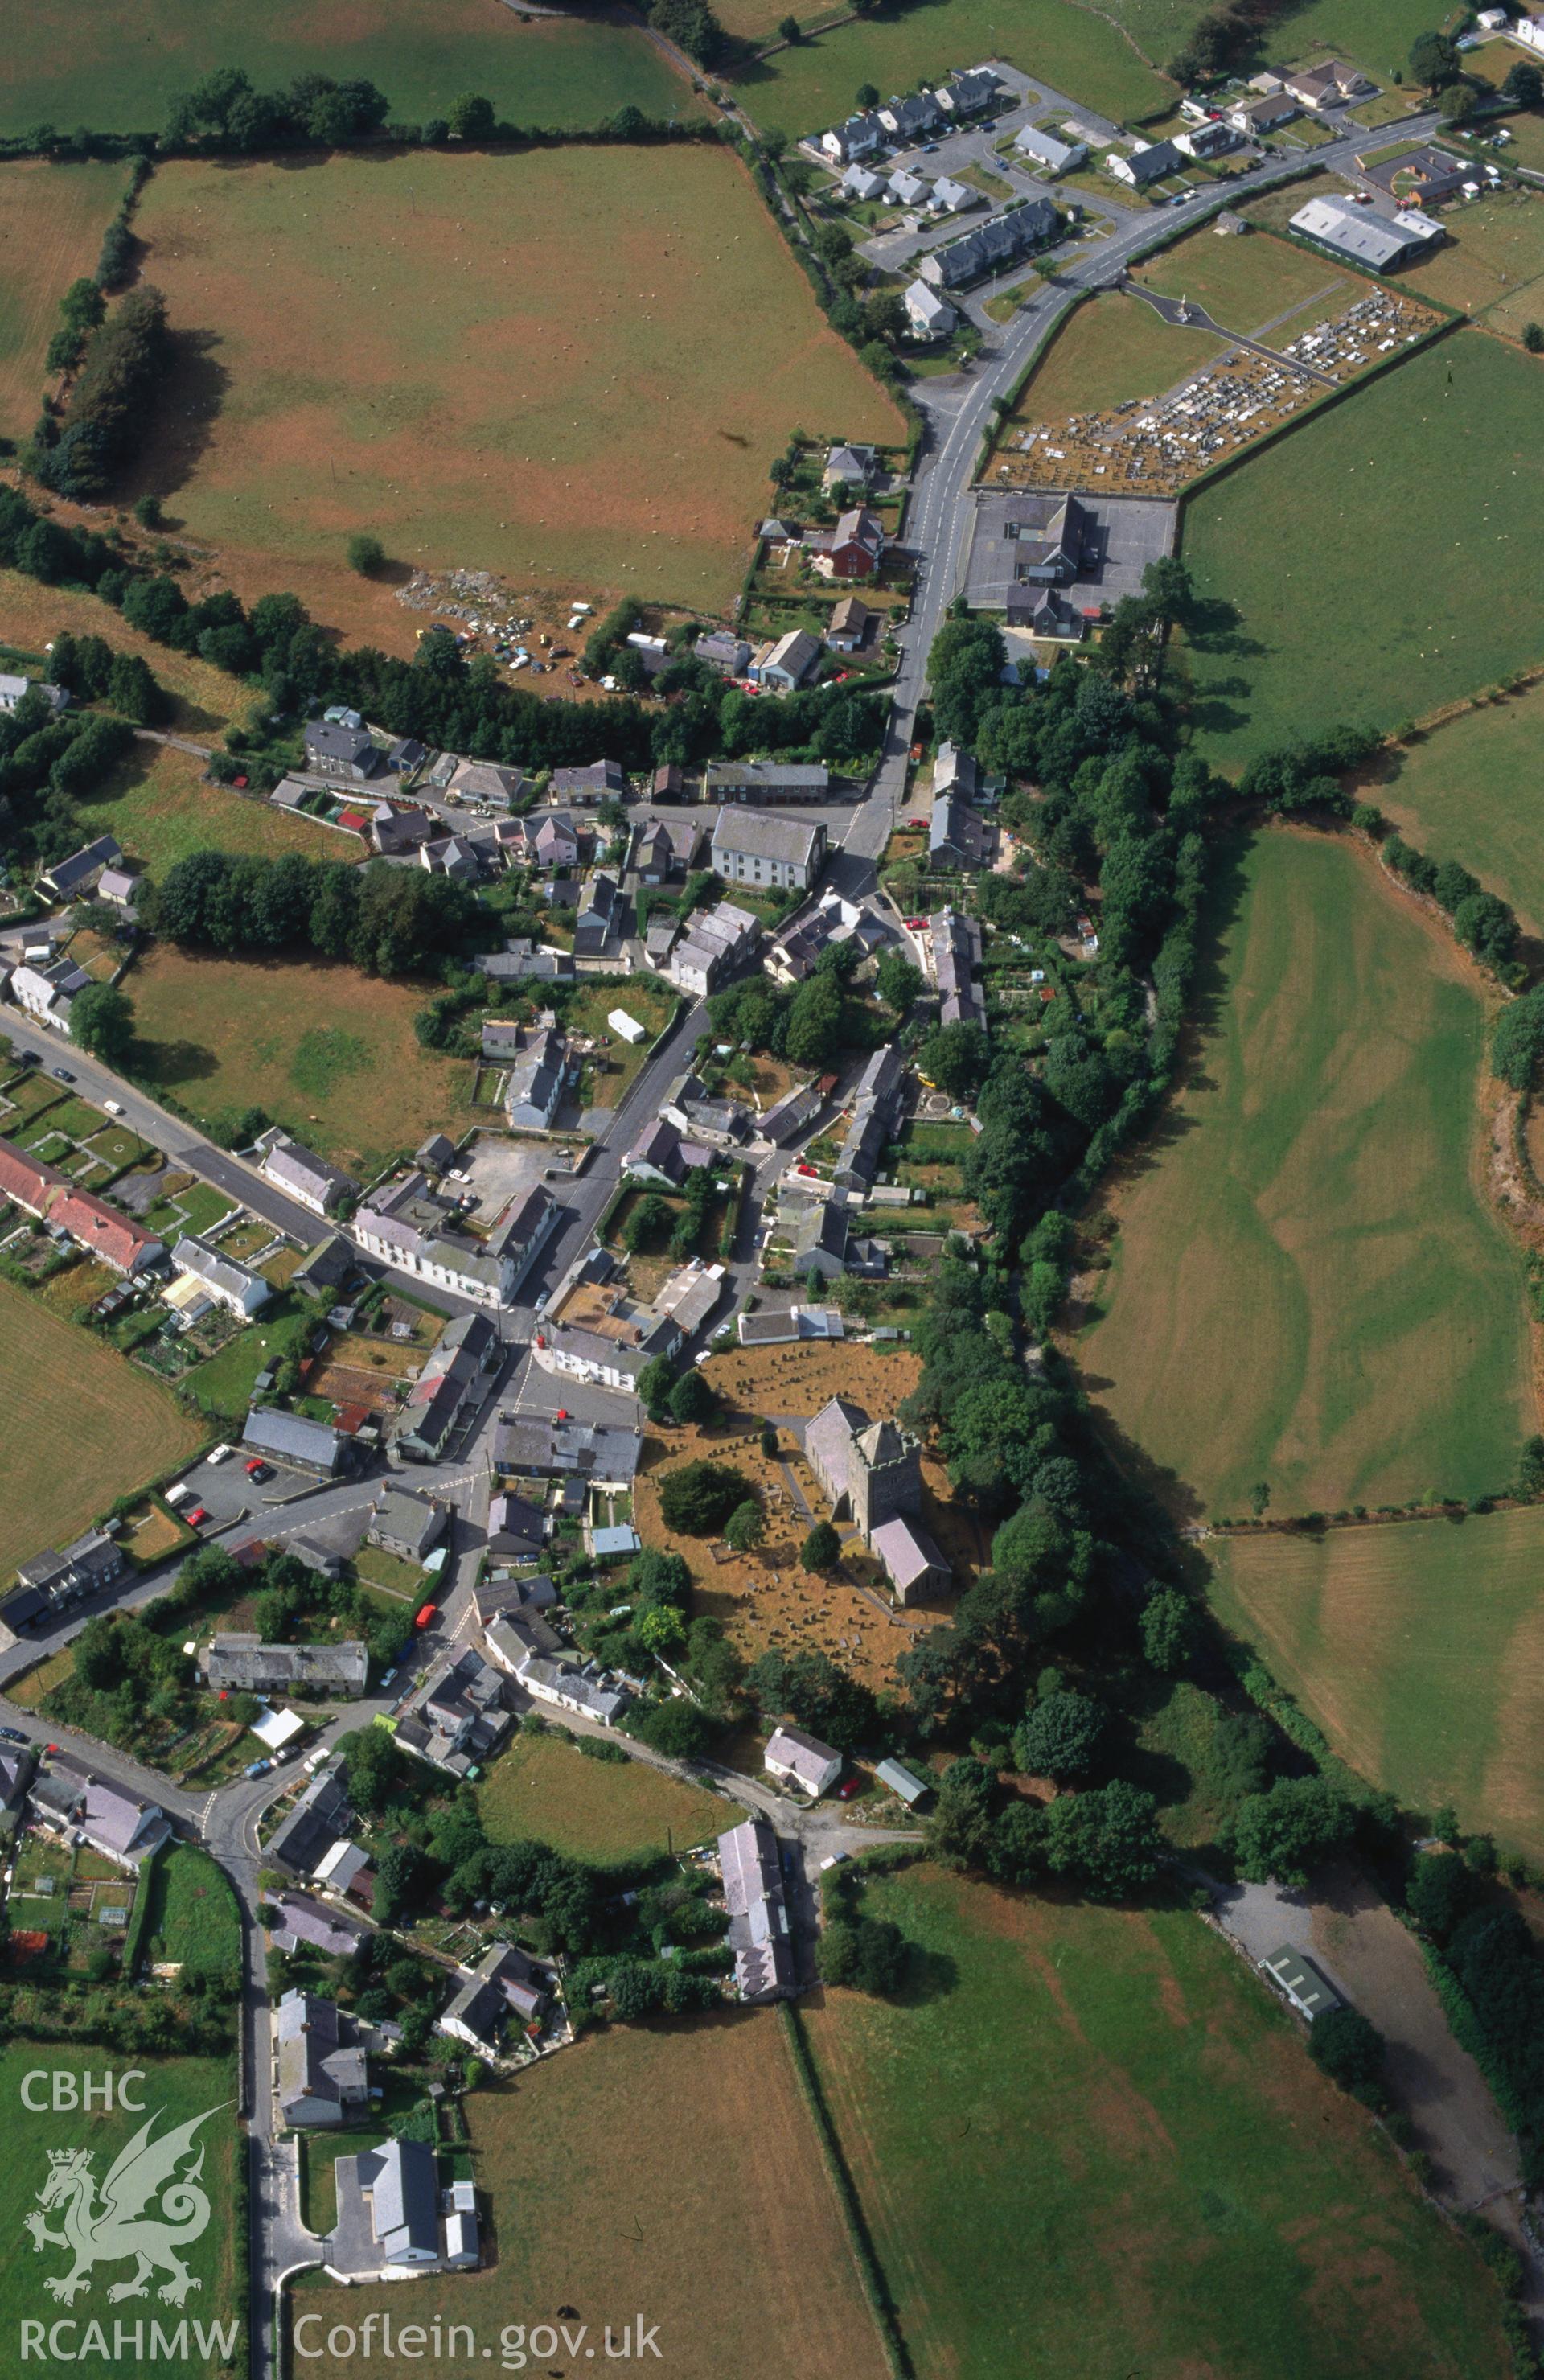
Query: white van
[[221, 1454], [180, 1494], [113, 1107]]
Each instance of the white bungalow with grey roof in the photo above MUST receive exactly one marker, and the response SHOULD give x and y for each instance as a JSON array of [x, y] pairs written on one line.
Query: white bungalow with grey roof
[[782, 666], [1044, 154], [399, 2183], [755, 849], [802, 1761]]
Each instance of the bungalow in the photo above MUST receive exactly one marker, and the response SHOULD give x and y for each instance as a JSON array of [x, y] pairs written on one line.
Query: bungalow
[[860, 184], [230, 1284], [757, 848], [332, 750], [1043, 153], [1150, 162], [751, 1868], [599, 780], [397, 831], [482, 784], [929, 316], [1333, 84], [317, 1184], [67, 879], [1253, 117], [802, 1761], [909, 189], [407, 755], [784, 666], [319, 2060], [952, 198], [853, 549], [723, 651], [1421, 177], [851, 620], [451, 854], [400, 2183], [105, 1233]]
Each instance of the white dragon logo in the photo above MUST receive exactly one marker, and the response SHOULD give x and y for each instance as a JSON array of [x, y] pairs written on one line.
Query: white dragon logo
[[142, 2173]]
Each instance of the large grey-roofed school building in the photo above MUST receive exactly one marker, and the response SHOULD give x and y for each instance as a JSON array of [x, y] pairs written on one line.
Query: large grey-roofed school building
[[1097, 553]]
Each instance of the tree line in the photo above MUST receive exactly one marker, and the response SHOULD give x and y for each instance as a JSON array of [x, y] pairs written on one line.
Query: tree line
[[384, 920]]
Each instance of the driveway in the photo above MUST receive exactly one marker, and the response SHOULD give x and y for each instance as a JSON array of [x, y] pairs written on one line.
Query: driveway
[[1377, 1964]]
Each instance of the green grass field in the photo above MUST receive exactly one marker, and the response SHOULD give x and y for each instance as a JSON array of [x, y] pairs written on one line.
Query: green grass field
[[1491, 263], [160, 809], [1418, 1649], [1376, 35], [1473, 790], [116, 66], [1311, 1289], [82, 1426], [1339, 606], [325, 1051], [595, 1809], [1244, 284], [1089, 2140], [174, 2091], [205, 699], [52, 219], [1113, 349], [510, 362], [1074, 50], [193, 1914], [706, 2204]]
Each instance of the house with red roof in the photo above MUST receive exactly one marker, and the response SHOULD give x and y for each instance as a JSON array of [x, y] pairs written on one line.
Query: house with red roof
[[113, 1238]]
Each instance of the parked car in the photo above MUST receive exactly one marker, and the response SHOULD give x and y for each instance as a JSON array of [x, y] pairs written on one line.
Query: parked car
[[221, 1454], [852, 1785], [257, 1469], [113, 1107], [14, 1735], [196, 1517], [63, 1073], [426, 1616], [257, 1767]]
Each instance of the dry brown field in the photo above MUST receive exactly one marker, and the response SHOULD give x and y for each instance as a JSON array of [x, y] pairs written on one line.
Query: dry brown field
[[670, 2168]]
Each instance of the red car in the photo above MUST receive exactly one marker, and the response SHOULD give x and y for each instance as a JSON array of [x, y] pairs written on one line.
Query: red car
[[915, 924], [854, 1785], [257, 1469], [426, 1616], [196, 1517]]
